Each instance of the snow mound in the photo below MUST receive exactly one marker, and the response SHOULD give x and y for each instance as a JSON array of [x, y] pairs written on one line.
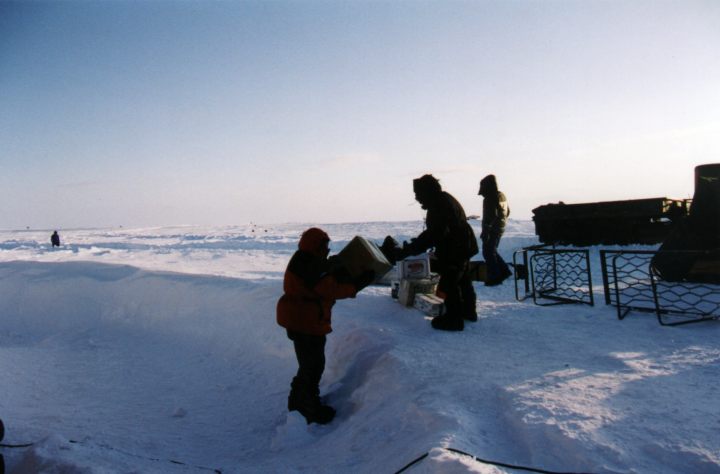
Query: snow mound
[[124, 368]]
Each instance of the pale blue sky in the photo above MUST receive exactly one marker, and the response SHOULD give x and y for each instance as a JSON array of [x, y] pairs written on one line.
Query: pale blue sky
[[154, 113]]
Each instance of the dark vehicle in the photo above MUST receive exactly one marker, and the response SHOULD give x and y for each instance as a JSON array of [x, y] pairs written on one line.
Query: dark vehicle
[[635, 221], [692, 251]]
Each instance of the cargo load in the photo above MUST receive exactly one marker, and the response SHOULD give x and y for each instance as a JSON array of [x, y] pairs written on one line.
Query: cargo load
[[429, 304], [414, 268], [477, 269], [635, 221], [361, 255], [409, 288]]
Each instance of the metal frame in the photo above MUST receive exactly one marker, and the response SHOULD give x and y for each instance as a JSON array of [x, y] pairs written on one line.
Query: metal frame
[[627, 286], [560, 275], [633, 283], [520, 272], [689, 301]]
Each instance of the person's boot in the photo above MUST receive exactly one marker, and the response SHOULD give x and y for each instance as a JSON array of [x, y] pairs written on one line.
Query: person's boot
[[310, 408], [445, 323], [506, 273], [324, 415], [317, 413], [293, 402], [496, 280]]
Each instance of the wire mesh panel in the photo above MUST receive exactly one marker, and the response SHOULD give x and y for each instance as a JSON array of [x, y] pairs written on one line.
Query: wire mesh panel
[[627, 281], [559, 275], [689, 297], [649, 281]]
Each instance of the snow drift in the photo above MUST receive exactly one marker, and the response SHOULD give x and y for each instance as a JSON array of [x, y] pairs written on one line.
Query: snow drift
[[114, 368]]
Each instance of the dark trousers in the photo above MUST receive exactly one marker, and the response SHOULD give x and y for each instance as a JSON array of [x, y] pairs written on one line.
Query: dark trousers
[[456, 284], [497, 269], [310, 353]]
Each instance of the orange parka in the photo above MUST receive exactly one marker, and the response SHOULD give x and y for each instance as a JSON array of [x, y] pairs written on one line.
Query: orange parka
[[310, 290]]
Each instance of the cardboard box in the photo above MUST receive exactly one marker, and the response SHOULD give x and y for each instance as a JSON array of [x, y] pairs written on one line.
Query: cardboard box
[[478, 270], [390, 278], [360, 255], [429, 304], [415, 268], [409, 288]]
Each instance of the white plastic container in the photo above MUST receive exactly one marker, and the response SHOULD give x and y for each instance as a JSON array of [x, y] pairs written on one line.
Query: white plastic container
[[414, 268]]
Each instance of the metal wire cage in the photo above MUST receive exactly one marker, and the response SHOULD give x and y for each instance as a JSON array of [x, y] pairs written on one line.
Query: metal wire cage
[[640, 281], [553, 276], [626, 280]]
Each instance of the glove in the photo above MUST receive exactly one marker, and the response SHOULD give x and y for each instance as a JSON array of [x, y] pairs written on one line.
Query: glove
[[402, 254], [336, 268], [341, 275], [406, 251], [390, 249], [363, 280]]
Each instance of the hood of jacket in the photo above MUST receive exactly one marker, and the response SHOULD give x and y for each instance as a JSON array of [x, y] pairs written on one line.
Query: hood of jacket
[[314, 241], [488, 185], [427, 190]]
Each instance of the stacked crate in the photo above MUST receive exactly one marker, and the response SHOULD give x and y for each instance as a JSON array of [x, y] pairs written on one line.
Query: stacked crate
[[417, 285]]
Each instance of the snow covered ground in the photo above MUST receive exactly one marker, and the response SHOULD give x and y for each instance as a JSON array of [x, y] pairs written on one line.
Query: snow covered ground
[[127, 349]]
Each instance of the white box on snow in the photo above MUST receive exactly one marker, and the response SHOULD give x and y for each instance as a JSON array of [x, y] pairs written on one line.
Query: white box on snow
[[414, 268], [409, 288], [429, 304]]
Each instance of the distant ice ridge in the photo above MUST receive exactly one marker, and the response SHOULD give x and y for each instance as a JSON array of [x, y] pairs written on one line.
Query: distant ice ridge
[[251, 251]]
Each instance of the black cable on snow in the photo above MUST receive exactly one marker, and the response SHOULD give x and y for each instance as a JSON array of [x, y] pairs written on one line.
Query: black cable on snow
[[2, 435], [2, 445], [416, 460], [511, 466], [172, 461], [487, 461]]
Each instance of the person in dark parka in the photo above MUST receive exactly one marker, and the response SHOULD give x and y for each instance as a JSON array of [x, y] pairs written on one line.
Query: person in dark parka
[[454, 241], [55, 239], [311, 285], [495, 214]]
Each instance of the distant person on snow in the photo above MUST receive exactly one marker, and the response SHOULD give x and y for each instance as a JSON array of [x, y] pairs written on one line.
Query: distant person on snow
[[454, 241], [55, 239], [311, 285], [495, 214]]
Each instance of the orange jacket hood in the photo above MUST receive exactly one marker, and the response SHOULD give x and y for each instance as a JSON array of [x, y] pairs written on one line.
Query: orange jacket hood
[[314, 241]]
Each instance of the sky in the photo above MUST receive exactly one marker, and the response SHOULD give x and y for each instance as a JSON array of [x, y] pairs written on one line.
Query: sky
[[141, 113]]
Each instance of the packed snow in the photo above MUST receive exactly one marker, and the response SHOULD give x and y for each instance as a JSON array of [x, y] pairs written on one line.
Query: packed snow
[[156, 351]]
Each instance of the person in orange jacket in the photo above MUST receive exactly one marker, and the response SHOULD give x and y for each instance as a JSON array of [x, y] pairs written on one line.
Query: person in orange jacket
[[311, 285]]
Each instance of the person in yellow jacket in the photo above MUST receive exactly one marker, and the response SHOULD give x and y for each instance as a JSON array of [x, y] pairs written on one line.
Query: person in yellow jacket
[[495, 214]]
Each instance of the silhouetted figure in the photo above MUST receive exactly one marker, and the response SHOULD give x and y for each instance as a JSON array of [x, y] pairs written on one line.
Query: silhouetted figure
[[311, 285], [454, 241], [55, 239], [495, 214]]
